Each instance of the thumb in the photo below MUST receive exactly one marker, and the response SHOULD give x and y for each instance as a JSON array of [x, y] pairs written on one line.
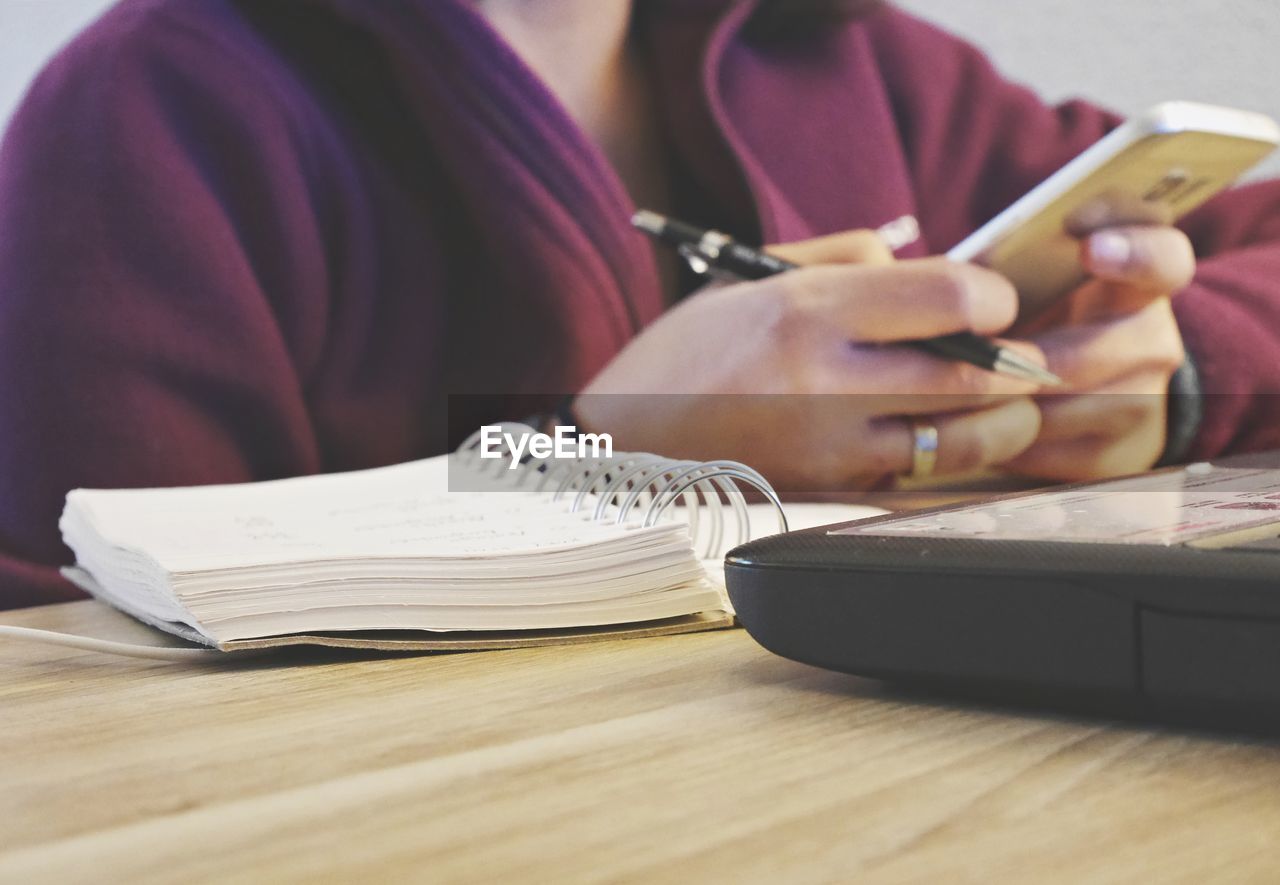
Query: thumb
[[849, 247]]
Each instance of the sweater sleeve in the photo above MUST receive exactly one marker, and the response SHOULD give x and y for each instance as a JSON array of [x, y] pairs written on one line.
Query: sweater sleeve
[[144, 341], [975, 142], [1230, 319]]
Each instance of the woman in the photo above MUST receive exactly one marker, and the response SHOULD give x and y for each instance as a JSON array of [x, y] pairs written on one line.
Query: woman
[[242, 240]]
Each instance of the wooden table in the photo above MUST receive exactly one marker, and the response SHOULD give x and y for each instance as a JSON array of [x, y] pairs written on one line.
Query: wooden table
[[684, 758]]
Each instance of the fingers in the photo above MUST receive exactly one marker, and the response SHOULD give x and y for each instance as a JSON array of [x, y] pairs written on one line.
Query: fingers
[[907, 301], [1114, 422], [1131, 267], [1117, 208], [1113, 411], [1107, 433], [1093, 355], [967, 441], [850, 247], [1088, 458], [846, 450], [850, 330], [1154, 260], [913, 382]]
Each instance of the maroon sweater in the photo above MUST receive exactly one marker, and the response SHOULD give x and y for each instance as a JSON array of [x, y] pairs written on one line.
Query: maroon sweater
[[242, 240]]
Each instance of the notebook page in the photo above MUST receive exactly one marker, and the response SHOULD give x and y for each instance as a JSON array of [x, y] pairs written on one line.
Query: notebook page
[[404, 511]]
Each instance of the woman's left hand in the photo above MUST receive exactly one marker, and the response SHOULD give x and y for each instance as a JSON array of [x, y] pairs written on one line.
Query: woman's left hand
[[1115, 344]]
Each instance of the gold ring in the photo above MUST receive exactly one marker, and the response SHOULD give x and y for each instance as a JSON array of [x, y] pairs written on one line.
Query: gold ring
[[924, 449]]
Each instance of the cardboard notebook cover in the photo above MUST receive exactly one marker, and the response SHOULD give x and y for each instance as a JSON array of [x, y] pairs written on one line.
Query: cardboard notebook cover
[[418, 640]]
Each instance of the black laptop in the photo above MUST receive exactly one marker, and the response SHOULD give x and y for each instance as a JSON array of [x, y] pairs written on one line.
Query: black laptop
[[1155, 594]]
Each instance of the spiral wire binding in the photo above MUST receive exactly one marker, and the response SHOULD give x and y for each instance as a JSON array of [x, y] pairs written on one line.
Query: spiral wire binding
[[626, 483], [637, 486]]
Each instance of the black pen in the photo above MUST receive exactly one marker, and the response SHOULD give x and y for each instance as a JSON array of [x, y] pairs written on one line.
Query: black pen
[[711, 252]]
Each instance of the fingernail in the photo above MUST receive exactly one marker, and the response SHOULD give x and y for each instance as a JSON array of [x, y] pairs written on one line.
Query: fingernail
[[1110, 248]]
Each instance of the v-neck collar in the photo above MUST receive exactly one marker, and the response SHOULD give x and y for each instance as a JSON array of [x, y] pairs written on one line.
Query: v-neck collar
[[544, 169]]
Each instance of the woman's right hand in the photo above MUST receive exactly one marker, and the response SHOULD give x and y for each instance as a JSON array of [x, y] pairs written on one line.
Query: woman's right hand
[[802, 375]]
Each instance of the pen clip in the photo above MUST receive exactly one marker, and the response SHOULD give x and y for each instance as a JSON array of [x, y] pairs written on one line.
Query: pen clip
[[701, 263], [693, 256]]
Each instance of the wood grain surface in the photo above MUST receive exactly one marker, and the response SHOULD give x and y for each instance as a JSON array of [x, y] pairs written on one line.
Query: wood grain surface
[[684, 758]]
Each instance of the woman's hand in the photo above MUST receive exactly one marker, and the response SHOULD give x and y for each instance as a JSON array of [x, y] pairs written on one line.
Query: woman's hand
[[1115, 343], [802, 376]]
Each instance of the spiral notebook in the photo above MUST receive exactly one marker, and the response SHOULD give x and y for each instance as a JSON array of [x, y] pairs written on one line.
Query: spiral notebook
[[454, 552]]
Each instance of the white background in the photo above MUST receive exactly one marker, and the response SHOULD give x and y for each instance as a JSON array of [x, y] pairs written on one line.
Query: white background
[[30, 32], [1126, 54]]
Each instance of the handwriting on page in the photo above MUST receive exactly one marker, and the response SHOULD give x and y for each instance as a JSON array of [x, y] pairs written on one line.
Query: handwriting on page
[[404, 510]]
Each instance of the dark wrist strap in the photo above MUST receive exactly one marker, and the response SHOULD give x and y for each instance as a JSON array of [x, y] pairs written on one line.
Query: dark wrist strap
[[1186, 413]]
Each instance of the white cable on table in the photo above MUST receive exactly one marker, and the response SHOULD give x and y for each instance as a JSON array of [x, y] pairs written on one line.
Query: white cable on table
[[106, 646]]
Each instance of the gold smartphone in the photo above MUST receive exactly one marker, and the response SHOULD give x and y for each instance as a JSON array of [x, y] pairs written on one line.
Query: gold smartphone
[[1153, 169]]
